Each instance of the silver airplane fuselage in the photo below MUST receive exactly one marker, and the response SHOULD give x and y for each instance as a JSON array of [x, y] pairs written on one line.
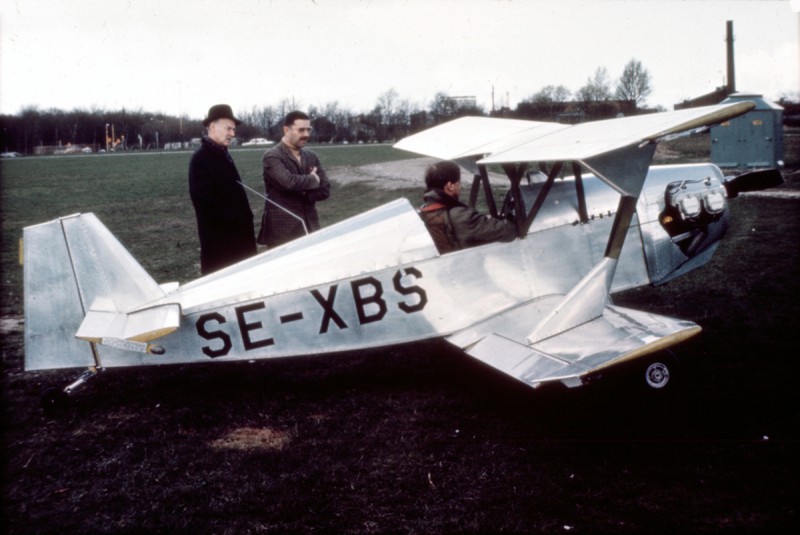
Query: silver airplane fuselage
[[377, 278]]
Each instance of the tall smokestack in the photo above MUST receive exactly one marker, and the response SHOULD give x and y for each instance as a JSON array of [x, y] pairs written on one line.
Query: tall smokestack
[[731, 85]]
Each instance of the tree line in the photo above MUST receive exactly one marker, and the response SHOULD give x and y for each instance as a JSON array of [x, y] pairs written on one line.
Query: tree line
[[391, 118]]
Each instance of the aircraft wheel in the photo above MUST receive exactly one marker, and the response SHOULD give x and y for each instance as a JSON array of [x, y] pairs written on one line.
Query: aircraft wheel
[[53, 399], [657, 375], [660, 372]]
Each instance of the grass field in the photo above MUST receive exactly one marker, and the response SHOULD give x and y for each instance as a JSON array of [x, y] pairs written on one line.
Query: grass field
[[413, 439], [143, 198]]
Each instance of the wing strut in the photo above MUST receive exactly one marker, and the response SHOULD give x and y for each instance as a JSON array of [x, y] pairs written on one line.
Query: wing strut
[[583, 213], [626, 173], [537, 205], [482, 179], [515, 172]]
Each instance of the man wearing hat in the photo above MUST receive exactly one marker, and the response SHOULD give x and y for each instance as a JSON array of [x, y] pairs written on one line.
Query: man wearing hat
[[224, 217]]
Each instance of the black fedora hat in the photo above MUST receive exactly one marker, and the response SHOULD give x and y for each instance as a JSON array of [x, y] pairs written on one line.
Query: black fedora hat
[[220, 111]]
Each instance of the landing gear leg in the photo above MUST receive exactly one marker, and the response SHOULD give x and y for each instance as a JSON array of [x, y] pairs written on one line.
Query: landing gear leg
[[56, 398]]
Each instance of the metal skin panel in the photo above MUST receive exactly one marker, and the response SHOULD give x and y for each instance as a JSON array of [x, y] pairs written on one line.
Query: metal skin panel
[[387, 236], [415, 301], [664, 258], [53, 309]]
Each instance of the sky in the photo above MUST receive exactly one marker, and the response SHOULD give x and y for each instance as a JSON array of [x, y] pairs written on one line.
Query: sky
[[179, 57]]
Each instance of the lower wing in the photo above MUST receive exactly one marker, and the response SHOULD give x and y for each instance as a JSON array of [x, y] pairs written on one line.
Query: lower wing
[[572, 356]]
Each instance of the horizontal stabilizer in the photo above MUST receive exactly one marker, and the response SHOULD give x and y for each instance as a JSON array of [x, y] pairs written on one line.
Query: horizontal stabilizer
[[618, 335], [104, 322]]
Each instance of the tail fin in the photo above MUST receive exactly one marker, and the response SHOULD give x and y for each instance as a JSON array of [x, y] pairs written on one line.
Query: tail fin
[[69, 263]]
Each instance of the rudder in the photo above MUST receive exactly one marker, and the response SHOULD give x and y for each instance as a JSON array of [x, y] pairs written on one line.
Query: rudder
[[68, 263]]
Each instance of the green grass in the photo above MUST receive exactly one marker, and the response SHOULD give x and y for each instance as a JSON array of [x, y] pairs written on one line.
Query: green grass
[[143, 199]]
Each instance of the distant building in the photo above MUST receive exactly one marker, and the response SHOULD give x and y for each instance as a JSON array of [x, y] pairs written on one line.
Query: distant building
[[753, 140], [463, 102]]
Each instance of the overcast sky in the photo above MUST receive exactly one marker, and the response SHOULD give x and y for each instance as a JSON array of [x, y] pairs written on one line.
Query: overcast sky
[[182, 56]]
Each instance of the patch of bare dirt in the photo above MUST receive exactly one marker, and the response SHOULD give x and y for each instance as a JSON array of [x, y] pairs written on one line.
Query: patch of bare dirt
[[253, 438], [395, 175]]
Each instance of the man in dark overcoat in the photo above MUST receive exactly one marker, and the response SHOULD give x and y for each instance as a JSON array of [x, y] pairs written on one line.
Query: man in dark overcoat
[[224, 217], [294, 181]]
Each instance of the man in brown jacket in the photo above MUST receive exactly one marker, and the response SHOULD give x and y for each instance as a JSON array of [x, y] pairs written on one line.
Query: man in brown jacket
[[295, 180], [452, 224]]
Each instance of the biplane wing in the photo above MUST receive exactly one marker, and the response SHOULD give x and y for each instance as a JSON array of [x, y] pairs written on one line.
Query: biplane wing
[[568, 337], [495, 140], [587, 140], [471, 137], [573, 356]]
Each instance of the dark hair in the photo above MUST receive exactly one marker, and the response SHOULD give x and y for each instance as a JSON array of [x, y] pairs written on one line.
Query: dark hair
[[292, 116], [440, 173]]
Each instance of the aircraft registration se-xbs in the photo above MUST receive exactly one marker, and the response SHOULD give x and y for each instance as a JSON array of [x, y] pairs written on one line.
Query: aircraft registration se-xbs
[[537, 308]]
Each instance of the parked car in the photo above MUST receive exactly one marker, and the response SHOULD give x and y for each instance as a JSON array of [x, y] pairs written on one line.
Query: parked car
[[256, 141], [10, 155]]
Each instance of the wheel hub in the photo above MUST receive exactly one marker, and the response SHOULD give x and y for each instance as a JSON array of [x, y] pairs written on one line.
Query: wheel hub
[[657, 375]]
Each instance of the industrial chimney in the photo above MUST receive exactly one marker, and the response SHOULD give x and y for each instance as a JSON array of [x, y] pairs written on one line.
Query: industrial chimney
[[731, 82]]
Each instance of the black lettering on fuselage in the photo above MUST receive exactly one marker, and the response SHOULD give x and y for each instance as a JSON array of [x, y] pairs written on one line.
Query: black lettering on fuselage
[[245, 328], [329, 312], [212, 335], [410, 290], [370, 302], [375, 298]]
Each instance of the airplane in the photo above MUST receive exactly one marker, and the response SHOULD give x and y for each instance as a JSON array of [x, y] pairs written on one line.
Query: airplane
[[593, 217]]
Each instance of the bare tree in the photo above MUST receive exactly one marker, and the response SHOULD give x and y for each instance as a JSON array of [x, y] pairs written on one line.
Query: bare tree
[[597, 88], [550, 93], [387, 103], [635, 83]]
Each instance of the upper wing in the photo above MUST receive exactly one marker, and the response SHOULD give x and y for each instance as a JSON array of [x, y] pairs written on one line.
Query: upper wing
[[510, 141], [475, 136], [591, 139]]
